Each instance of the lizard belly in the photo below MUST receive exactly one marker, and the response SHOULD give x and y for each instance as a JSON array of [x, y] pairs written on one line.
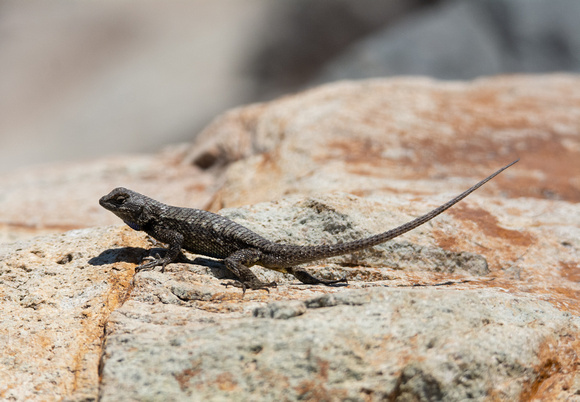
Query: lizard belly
[[211, 246]]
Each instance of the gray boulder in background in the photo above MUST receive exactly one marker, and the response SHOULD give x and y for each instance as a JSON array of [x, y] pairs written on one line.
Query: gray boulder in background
[[463, 40]]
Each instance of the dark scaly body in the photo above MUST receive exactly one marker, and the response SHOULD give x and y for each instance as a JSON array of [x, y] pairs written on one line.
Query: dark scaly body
[[209, 234]]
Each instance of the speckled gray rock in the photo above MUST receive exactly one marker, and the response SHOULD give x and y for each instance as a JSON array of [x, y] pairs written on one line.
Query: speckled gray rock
[[397, 344]]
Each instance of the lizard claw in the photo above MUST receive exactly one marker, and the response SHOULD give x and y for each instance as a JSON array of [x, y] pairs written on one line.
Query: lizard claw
[[236, 284], [146, 267], [308, 279], [250, 285], [157, 260], [334, 282]]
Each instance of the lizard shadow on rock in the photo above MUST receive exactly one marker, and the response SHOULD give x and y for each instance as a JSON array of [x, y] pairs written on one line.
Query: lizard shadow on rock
[[123, 254], [219, 270], [136, 255]]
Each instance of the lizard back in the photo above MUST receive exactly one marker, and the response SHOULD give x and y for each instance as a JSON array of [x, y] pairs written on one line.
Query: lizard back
[[207, 233]]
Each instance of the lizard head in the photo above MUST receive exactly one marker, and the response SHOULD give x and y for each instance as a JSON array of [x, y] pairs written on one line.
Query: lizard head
[[126, 204]]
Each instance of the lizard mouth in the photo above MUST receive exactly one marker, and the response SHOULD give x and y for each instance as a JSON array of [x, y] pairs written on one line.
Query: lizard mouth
[[105, 203]]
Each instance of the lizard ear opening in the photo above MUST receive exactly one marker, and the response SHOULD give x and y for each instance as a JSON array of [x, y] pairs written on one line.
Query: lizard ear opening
[[143, 215]]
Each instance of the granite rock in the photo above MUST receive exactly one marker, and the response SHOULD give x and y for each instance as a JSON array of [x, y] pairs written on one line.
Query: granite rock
[[395, 344], [481, 303], [56, 294]]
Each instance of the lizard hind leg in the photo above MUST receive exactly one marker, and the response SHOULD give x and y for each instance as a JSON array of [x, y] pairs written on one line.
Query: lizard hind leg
[[238, 263], [308, 279]]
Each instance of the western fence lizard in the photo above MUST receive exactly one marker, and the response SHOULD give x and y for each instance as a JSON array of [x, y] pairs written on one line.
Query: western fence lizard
[[212, 235]]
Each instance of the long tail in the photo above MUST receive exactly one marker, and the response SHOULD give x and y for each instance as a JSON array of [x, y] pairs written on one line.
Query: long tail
[[320, 252]]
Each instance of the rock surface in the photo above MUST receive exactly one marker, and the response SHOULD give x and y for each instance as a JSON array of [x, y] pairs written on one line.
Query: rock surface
[[401, 136], [55, 298], [52, 199], [482, 302], [395, 344]]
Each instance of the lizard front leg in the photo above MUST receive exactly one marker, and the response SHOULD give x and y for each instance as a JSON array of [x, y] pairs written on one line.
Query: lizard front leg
[[239, 263], [174, 240]]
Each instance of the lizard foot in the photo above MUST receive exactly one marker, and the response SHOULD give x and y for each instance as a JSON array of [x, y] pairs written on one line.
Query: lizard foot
[[308, 279], [333, 282], [157, 260], [256, 285]]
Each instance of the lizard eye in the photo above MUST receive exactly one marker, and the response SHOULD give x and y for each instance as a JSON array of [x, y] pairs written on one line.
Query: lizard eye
[[120, 199]]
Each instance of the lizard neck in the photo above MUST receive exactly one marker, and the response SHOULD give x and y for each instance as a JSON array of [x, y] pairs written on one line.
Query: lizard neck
[[133, 225]]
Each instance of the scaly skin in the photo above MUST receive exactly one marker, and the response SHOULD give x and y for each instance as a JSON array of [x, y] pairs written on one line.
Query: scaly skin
[[206, 233]]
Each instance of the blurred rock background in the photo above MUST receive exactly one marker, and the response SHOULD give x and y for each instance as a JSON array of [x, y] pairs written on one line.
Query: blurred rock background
[[83, 80]]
